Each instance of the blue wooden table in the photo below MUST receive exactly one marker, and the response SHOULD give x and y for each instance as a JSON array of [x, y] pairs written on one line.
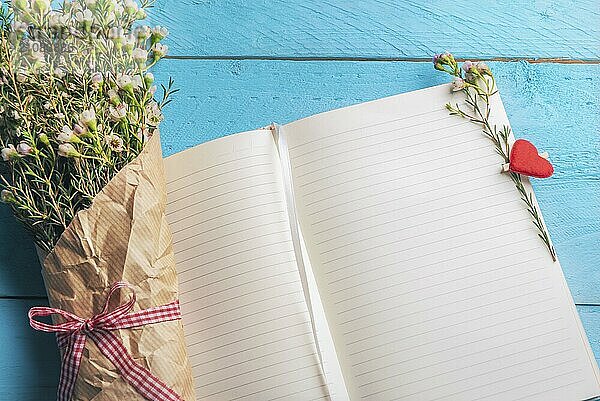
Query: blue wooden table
[[242, 64]]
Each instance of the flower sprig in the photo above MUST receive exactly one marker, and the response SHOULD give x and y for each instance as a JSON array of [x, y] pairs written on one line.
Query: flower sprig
[[476, 81], [77, 103]]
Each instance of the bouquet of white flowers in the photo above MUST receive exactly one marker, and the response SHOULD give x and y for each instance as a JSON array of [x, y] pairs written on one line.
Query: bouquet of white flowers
[[82, 170]]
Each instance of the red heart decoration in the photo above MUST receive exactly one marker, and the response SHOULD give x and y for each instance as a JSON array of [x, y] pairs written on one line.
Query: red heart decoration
[[524, 159]]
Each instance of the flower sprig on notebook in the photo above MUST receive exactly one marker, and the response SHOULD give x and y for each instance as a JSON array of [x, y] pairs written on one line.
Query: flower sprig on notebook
[[476, 81]]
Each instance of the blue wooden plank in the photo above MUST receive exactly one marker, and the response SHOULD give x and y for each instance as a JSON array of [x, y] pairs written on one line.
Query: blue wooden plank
[[554, 105], [30, 360], [382, 28], [30, 366]]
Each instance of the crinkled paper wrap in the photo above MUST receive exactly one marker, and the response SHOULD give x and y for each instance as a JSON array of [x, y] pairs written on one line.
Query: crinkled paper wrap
[[123, 236]]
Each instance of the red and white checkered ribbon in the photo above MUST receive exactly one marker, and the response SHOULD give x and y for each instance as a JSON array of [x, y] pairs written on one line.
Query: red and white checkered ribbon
[[73, 333]]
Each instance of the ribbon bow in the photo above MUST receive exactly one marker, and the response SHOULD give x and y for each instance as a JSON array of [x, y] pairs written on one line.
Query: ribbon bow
[[72, 334]]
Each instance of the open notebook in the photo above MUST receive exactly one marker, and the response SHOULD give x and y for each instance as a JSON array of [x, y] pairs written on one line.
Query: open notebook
[[430, 281]]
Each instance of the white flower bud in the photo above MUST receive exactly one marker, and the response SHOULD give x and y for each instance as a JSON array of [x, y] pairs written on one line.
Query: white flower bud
[[68, 150], [24, 149], [9, 153], [140, 55]]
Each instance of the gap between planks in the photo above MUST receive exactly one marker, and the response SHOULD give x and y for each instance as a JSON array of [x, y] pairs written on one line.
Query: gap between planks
[[405, 59]]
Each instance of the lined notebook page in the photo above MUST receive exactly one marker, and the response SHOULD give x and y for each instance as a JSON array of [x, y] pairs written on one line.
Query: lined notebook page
[[435, 284], [246, 322]]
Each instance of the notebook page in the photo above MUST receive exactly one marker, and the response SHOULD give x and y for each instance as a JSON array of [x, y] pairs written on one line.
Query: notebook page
[[246, 322], [434, 281]]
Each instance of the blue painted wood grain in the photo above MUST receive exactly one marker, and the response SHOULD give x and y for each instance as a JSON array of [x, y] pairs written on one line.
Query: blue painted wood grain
[[382, 28], [30, 360]]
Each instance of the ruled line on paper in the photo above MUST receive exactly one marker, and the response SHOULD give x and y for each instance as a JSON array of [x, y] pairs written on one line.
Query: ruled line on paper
[[196, 223], [246, 321], [180, 239], [496, 269], [387, 171], [483, 385], [254, 324], [433, 242], [455, 323], [229, 266], [513, 388], [404, 271], [454, 302], [398, 230], [271, 388], [270, 309], [249, 271], [191, 322], [523, 362], [408, 260], [370, 126], [213, 371], [256, 280], [245, 240], [188, 174], [462, 356], [400, 317], [372, 195], [310, 355], [528, 327], [423, 213], [204, 189], [445, 293], [220, 194], [253, 347], [278, 285], [286, 241], [196, 182], [372, 143], [348, 222], [221, 237], [412, 174]]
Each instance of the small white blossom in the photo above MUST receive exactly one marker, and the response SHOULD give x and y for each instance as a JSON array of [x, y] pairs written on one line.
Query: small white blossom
[[114, 142], [142, 32], [124, 82], [67, 135], [130, 6], [458, 84], [160, 50], [128, 43], [119, 112], [88, 118], [116, 34], [137, 82], [97, 80], [159, 33]]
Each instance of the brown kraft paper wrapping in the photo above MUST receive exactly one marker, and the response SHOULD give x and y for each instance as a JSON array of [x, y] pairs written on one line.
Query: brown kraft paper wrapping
[[123, 236]]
